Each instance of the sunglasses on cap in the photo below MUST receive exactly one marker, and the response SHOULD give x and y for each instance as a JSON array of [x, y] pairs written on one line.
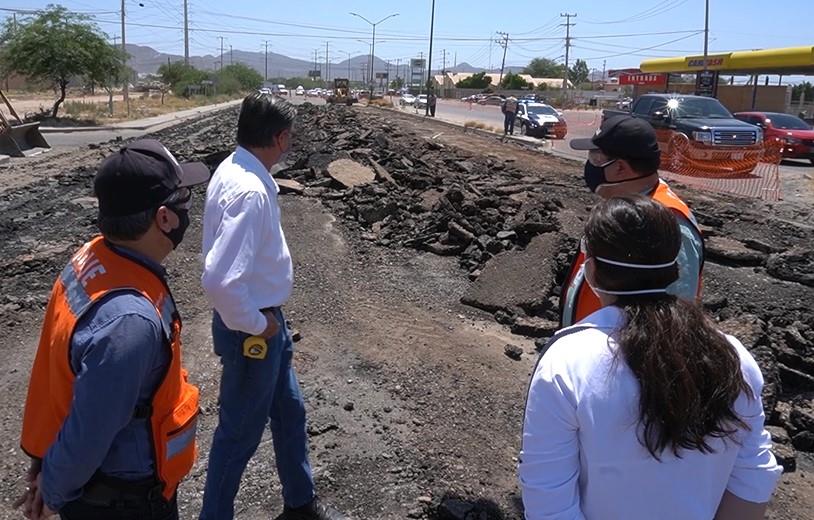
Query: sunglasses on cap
[[180, 199], [599, 159]]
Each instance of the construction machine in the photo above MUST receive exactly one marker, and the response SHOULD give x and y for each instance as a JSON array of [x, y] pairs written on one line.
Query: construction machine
[[341, 93], [19, 139]]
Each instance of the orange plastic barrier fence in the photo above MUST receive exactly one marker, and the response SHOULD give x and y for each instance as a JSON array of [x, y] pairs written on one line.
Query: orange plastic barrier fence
[[747, 171]]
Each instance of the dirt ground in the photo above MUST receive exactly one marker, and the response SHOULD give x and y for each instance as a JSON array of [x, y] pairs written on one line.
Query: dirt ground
[[411, 399]]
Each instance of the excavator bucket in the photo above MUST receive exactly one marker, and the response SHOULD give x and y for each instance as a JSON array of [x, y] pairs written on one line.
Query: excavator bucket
[[22, 140]]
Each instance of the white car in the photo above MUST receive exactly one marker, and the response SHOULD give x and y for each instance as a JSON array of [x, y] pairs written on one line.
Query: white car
[[407, 100], [421, 101], [300, 91]]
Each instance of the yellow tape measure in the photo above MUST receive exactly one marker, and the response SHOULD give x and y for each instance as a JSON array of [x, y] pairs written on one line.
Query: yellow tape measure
[[255, 347]]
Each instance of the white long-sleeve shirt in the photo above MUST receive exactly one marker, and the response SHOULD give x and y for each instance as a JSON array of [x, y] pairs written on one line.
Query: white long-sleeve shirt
[[581, 459], [247, 265]]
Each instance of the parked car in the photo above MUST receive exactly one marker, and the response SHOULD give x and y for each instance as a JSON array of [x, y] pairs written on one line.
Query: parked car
[[540, 120], [300, 91], [624, 103], [420, 101], [533, 98], [796, 135], [492, 100], [705, 123], [407, 100]]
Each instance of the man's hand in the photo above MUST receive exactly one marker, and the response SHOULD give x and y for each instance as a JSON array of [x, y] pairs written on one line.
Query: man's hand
[[272, 325], [39, 511], [26, 500]]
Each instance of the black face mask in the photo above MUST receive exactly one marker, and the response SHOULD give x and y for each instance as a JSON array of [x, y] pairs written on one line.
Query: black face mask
[[594, 176], [176, 235]]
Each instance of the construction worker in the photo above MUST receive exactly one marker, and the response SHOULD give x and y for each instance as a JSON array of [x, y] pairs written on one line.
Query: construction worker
[[623, 158], [248, 277], [110, 419], [509, 109]]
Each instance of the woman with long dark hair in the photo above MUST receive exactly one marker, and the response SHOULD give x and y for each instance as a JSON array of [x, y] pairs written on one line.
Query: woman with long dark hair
[[644, 410]]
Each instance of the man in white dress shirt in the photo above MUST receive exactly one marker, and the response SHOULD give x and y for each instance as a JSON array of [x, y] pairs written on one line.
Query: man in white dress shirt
[[248, 276]]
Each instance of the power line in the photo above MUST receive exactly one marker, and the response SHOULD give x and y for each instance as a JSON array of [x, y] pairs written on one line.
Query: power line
[[631, 53]]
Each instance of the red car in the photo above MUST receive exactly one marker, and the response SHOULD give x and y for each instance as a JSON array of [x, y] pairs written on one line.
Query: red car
[[796, 135]]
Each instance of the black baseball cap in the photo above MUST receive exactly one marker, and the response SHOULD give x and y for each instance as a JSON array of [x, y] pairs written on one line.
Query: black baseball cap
[[141, 176], [622, 137]]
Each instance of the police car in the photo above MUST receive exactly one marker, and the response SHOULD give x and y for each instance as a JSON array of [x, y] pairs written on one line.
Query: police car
[[540, 120]]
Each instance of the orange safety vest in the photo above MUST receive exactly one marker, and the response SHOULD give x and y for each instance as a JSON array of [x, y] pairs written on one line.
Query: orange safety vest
[[586, 302], [93, 272]]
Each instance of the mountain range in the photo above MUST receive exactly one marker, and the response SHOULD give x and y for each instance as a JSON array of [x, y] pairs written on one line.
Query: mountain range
[[146, 60]]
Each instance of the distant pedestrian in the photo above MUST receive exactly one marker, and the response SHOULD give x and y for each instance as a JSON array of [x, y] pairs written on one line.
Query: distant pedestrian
[[248, 276], [644, 409], [432, 100], [509, 109]]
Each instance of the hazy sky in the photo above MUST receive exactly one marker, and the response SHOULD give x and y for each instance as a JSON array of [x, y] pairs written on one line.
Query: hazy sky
[[610, 30]]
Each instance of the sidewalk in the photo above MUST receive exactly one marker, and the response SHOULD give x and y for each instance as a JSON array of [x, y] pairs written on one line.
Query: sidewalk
[[144, 124]]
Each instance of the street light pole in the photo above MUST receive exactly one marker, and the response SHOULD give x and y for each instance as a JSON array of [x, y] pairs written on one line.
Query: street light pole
[[373, 45], [429, 65], [706, 34]]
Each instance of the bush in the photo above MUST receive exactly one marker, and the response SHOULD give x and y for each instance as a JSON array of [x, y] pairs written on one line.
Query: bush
[[479, 80]]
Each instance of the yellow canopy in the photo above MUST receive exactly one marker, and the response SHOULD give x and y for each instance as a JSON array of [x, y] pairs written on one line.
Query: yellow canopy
[[789, 60]]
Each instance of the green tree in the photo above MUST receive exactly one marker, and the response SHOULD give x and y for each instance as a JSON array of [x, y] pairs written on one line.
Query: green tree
[[179, 76], [54, 46], [514, 82], [579, 72], [798, 89], [109, 69], [397, 83], [544, 68], [246, 77], [479, 80]]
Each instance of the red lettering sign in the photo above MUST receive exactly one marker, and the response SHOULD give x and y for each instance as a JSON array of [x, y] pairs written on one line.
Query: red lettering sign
[[643, 79]]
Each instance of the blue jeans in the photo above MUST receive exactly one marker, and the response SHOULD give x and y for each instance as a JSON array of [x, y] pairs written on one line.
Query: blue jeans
[[253, 393]]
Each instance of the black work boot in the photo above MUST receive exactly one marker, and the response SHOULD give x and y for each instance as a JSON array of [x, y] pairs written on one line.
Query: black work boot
[[315, 510]]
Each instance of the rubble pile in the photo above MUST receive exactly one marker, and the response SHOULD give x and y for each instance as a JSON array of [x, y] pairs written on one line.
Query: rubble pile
[[514, 232], [407, 191]]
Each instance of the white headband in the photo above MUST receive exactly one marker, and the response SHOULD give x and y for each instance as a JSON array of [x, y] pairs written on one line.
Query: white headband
[[627, 293], [636, 266]]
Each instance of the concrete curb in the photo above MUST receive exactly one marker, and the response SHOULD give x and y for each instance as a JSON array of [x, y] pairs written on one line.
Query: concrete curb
[[164, 119], [4, 159]]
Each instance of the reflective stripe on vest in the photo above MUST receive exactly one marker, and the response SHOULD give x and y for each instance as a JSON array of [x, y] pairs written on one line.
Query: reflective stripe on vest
[[94, 272], [577, 300]]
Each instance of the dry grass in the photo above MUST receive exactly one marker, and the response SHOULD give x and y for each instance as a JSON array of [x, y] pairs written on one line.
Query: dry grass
[[384, 103], [141, 106]]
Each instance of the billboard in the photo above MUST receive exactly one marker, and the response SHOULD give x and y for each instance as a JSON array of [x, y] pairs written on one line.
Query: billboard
[[382, 75], [418, 63], [314, 73]]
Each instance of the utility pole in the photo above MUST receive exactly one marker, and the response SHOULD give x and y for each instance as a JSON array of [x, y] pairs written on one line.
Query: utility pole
[[456, 61], [221, 52], [603, 70], [230, 55], [444, 69], [429, 67], [115, 40], [266, 76], [186, 32], [567, 25], [706, 34], [327, 72], [490, 53], [126, 89], [503, 42], [398, 69]]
